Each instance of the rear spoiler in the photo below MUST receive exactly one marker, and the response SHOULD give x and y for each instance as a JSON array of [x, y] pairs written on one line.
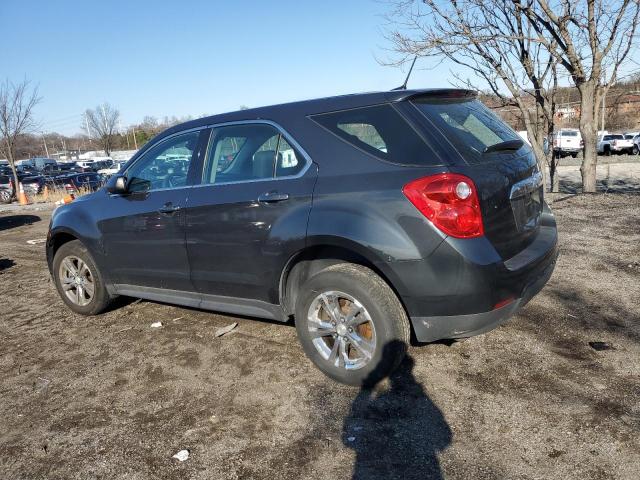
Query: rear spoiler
[[436, 93]]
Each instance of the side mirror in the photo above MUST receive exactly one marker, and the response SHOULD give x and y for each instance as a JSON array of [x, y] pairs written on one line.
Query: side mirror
[[117, 184]]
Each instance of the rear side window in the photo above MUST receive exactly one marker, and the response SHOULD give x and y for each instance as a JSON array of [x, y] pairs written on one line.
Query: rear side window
[[468, 124], [250, 152], [379, 131]]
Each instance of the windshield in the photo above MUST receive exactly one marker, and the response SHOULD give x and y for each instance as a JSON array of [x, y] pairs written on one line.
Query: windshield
[[468, 124]]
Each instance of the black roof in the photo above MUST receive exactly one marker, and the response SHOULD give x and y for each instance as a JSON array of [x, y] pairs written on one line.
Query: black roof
[[320, 105]]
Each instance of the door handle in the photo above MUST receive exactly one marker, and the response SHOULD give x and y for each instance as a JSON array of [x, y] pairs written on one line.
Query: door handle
[[272, 197], [169, 209]]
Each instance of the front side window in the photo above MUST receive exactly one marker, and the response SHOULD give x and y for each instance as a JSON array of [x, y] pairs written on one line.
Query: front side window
[[249, 152], [165, 165]]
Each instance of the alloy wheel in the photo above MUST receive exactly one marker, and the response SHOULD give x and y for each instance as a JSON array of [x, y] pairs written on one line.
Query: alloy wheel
[[341, 330], [76, 280]]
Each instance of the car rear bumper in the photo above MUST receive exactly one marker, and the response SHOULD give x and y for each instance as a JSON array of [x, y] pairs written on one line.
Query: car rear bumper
[[567, 149], [465, 288], [429, 329]]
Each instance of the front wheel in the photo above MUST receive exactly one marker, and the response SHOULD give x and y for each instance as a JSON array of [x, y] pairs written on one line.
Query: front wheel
[[78, 280], [5, 196], [351, 324]]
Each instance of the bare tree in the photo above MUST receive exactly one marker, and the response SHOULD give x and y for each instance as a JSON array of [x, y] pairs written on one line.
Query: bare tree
[[493, 40], [520, 43], [590, 39], [102, 123], [17, 102]]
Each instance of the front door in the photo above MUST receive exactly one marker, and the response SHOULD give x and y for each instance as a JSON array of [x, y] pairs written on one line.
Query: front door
[[250, 213], [143, 230]]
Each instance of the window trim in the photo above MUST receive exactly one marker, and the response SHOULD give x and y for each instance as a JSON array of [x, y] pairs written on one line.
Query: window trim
[[212, 126], [395, 107], [279, 129], [154, 145]]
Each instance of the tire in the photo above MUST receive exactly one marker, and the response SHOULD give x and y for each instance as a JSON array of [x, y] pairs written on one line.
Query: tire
[[574, 155], [380, 323], [5, 196], [636, 150], [74, 253], [607, 152]]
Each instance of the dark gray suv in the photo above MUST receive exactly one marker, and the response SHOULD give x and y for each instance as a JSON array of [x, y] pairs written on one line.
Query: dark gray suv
[[367, 218]]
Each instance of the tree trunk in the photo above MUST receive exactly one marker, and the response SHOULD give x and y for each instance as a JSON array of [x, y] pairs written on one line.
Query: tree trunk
[[12, 163], [589, 132], [536, 139], [555, 179]]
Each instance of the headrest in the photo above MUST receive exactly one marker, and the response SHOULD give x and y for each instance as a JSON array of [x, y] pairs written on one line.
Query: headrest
[[263, 163]]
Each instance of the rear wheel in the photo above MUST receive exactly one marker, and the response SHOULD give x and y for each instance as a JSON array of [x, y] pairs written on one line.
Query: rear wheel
[[635, 150], [351, 324], [607, 151], [78, 280]]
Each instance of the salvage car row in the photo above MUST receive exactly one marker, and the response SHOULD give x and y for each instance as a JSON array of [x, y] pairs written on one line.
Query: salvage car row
[[34, 177]]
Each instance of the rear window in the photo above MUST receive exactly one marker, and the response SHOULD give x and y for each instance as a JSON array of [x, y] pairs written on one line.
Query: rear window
[[614, 137], [468, 124], [569, 134], [379, 131], [628, 137]]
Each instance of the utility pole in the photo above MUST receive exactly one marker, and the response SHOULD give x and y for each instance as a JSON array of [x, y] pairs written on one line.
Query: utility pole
[[86, 124], [126, 134], [135, 142], [44, 140]]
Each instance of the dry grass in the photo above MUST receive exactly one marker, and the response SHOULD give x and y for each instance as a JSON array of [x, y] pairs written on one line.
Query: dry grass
[[53, 195]]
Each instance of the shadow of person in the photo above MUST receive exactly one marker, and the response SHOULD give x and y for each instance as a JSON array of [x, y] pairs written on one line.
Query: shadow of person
[[398, 432]]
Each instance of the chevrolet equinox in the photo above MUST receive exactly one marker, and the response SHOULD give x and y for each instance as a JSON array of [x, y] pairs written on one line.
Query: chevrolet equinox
[[368, 218]]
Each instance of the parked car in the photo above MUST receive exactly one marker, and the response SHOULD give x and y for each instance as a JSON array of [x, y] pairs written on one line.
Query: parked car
[[6, 188], [86, 164], [398, 212], [615, 143], [75, 182], [115, 168], [32, 184], [567, 141]]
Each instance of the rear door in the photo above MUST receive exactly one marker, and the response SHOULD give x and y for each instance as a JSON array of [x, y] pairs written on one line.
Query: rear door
[[250, 213], [503, 168]]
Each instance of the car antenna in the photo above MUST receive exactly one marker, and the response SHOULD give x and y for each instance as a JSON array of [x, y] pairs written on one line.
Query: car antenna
[[404, 85]]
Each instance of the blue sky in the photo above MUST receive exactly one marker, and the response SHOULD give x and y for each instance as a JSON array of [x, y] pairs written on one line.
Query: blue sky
[[193, 57]]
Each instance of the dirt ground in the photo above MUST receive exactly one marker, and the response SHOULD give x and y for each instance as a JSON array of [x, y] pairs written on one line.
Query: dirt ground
[[111, 397]]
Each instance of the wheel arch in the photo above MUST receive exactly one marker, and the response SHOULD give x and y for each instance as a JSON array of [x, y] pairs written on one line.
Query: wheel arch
[[55, 240], [318, 256]]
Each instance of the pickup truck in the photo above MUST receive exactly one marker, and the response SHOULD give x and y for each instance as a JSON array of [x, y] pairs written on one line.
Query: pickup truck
[[615, 143], [567, 141]]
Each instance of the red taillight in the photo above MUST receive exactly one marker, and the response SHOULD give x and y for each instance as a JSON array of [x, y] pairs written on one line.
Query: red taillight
[[449, 201], [503, 303]]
